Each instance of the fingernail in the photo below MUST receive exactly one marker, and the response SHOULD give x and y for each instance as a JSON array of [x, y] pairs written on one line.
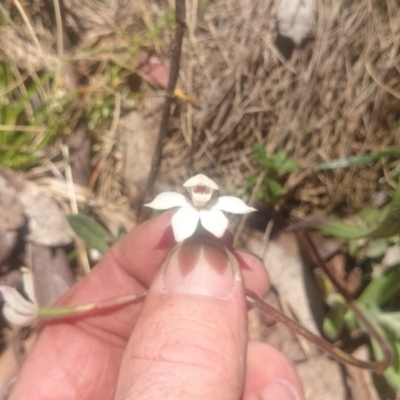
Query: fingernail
[[279, 391], [199, 269]]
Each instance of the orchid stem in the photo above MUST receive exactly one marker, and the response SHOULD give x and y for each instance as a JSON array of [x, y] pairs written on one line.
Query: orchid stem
[[60, 312], [324, 345], [385, 347], [180, 24]]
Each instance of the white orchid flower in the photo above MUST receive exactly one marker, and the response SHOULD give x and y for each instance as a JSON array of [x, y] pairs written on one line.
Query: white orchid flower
[[201, 207], [17, 310]]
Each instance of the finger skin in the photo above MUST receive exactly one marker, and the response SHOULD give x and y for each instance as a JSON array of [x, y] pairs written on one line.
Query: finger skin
[[80, 358], [187, 347], [266, 365], [254, 273]]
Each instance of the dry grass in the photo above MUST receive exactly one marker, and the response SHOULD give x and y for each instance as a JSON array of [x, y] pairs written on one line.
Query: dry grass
[[337, 96]]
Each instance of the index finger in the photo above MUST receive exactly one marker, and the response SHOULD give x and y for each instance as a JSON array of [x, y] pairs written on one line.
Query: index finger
[[80, 358]]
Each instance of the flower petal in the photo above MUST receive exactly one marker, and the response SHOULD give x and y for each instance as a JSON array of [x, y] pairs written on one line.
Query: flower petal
[[184, 223], [231, 204], [214, 221], [16, 301], [17, 310], [17, 319], [167, 200], [201, 179], [27, 280]]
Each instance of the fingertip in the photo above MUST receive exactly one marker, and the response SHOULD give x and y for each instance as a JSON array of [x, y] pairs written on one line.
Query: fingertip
[[192, 330], [147, 244], [269, 372], [254, 272]]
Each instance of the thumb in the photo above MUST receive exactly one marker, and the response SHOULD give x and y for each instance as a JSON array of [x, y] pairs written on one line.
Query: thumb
[[190, 341]]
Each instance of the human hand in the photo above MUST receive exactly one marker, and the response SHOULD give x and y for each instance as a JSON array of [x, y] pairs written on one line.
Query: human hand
[[187, 340]]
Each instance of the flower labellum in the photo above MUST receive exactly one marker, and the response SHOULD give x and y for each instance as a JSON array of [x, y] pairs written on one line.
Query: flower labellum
[[201, 189], [202, 207]]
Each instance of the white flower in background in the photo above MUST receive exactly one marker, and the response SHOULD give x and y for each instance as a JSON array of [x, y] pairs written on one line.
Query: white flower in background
[[17, 310], [202, 207]]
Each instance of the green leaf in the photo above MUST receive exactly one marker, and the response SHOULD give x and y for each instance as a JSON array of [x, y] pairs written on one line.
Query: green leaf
[[251, 181], [341, 229], [269, 164], [390, 224], [381, 289], [391, 320], [377, 248], [350, 321], [354, 247], [276, 163], [333, 323], [278, 158], [393, 372], [370, 216], [287, 166], [259, 150], [264, 160], [91, 232], [275, 187]]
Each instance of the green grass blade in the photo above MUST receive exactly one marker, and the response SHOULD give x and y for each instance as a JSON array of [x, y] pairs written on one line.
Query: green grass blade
[[354, 161]]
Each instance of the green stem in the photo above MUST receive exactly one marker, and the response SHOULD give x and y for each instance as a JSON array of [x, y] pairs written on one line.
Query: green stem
[[59, 312]]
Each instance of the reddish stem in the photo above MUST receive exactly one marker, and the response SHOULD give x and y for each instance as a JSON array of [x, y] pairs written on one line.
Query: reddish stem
[[326, 346]]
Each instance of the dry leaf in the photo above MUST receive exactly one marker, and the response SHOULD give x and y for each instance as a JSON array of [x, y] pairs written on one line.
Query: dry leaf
[[11, 210], [361, 381], [11, 218], [52, 275], [137, 137], [291, 277], [47, 224], [322, 378]]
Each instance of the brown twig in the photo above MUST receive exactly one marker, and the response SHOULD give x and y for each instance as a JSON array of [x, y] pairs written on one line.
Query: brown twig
[[180, 15]]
